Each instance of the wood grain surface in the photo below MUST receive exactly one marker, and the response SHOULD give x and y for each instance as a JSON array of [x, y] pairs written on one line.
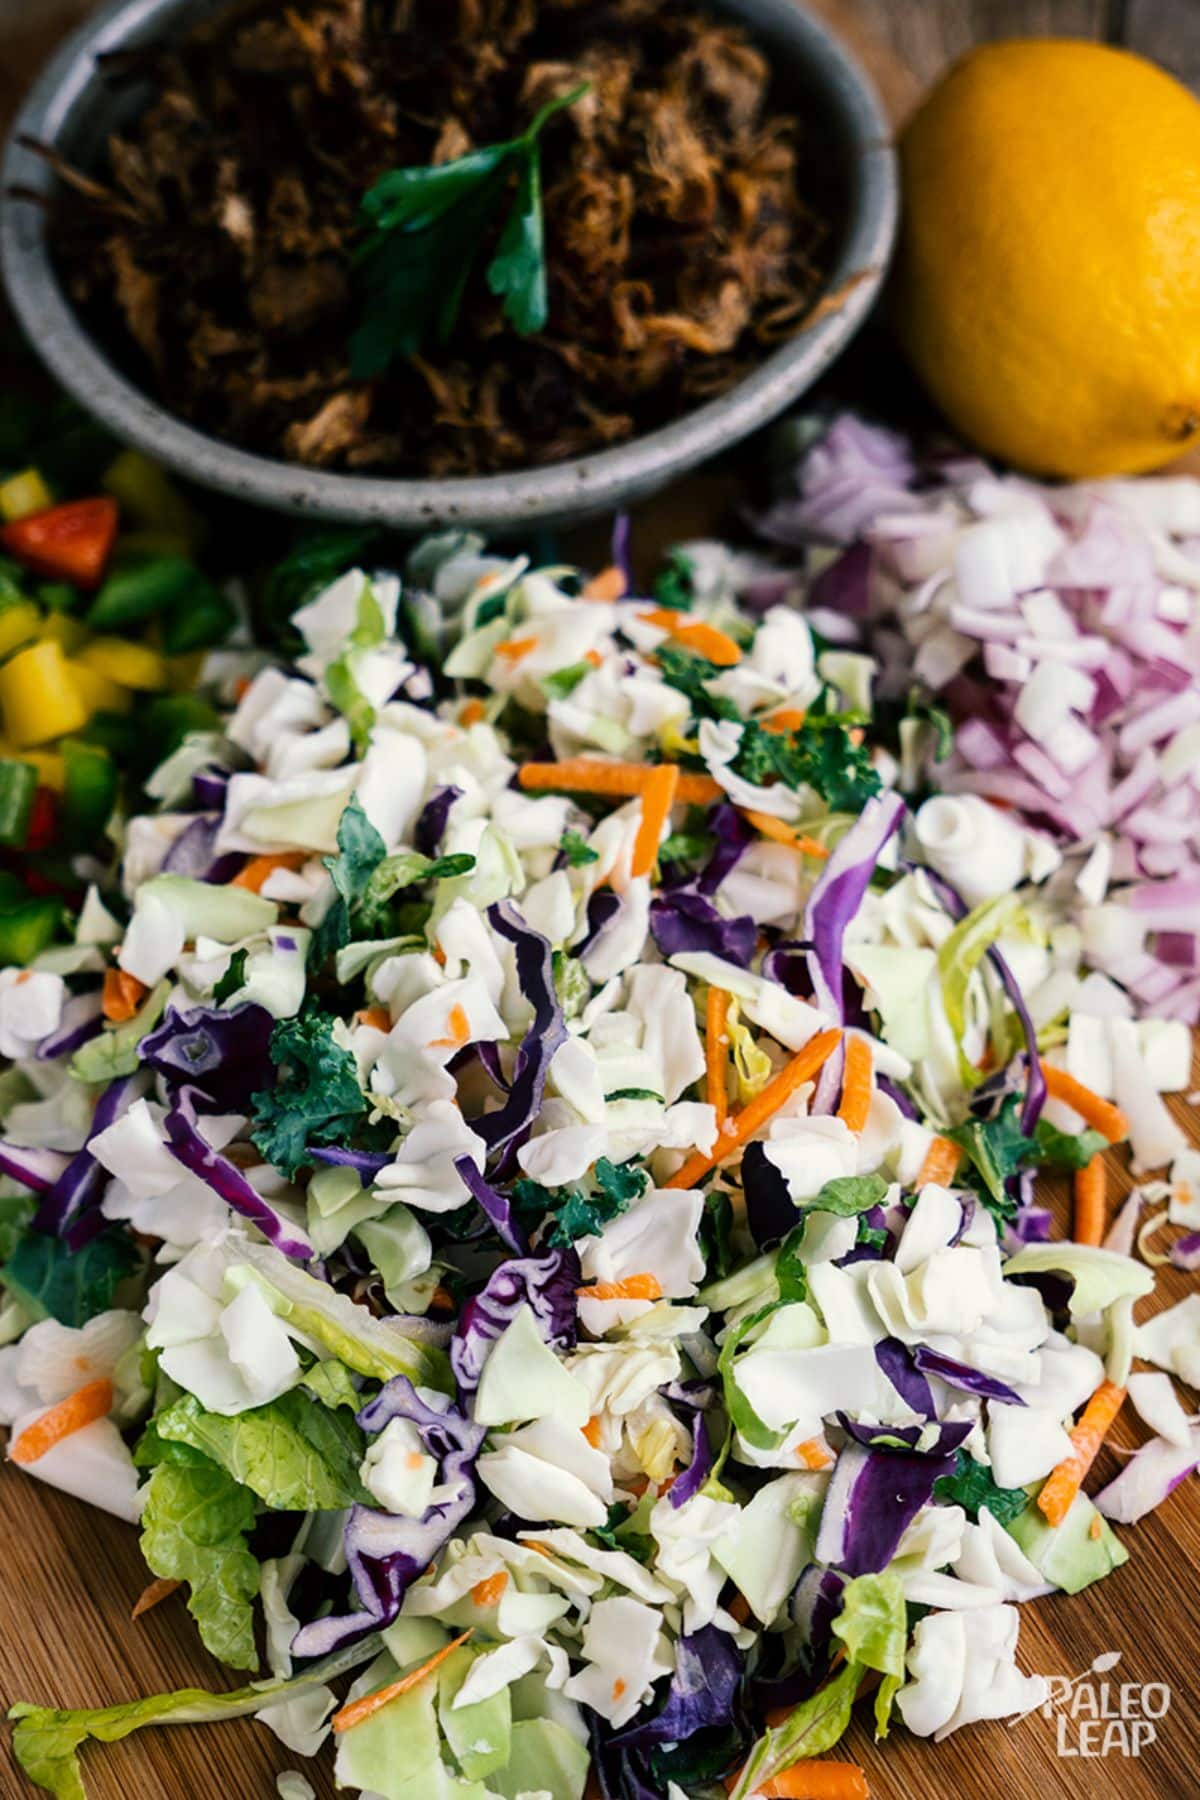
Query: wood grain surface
[[71, 1575]]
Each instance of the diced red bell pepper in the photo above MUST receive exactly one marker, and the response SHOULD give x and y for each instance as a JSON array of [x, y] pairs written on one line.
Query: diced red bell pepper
[[66, 543], [43, 821]]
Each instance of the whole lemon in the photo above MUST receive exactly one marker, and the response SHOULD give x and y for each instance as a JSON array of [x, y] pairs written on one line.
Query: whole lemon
[[1047, 287]]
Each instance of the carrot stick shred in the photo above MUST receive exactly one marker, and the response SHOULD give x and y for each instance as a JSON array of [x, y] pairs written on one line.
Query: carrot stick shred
[[751, 1117], [458, 1033], [817, 1781], [488, 1591], [1091, 1193], [1102, 1114], [788, 718], [783, 833], [593, 775], [472, 712], [694, 634], [609, 584], [591, 1431], [697, 790], [856, 1084], [157, 1591], [358, 1710], [122, 995], [716, 1052], [812, 1454], [259, 868], [941, 1162], [1063, 1483], [634, 1287], [377, 1017], [658, 797], [87, 1404], [513, 649]]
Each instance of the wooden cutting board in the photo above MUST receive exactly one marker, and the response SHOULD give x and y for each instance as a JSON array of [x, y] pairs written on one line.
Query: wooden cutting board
[[70, 1575]]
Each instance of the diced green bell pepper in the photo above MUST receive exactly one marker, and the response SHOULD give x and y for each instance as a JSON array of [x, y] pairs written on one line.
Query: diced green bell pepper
[[90, 791], [27, 929], [18, 785]]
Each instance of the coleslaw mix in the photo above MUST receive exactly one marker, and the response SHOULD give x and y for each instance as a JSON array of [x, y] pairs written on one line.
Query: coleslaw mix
[[523, 1188]]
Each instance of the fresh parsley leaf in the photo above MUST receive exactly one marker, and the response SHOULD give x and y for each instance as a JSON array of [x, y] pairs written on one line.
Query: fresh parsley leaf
[[996, 1149], [233, 978], [820, 754], [576, 1212], [620, 1182], [425, 230], [847, 1195], [403, 870], [317, 1098], [71, 1286], [576, 849], [972, 1488], [675, 585], [1054, 1149], [688, 847], [360, 852], [689, 674]]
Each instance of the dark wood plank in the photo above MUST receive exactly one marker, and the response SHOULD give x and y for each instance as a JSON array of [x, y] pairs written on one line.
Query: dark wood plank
[[1168, 31]]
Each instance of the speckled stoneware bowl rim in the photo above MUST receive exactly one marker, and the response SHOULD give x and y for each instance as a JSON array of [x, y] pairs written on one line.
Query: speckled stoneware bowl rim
[[70, 86]]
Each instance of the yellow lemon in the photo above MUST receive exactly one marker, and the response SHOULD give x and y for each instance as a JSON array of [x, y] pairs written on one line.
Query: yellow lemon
[[1047, 287]]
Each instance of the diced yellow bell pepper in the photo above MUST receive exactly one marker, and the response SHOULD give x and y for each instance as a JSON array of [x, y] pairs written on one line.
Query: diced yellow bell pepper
[[51, 768], [18, 623], [130, 665], [150, 497], [23, 494], [38, 698], [97, 692], [61, 628]]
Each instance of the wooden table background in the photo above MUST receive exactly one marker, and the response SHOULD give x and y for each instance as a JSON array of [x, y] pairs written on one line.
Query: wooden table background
[[71, 1575]]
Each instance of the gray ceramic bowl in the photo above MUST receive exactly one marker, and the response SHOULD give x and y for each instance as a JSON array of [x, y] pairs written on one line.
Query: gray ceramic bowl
[[72, 107]]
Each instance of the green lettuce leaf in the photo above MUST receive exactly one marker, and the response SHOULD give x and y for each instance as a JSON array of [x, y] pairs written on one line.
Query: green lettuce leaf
[[194, 1526], [46, 1739], [813, 1727], [847, 1195], [115, 1051], [960, 954], [294, 1455], [873, 1626], [360, 852]]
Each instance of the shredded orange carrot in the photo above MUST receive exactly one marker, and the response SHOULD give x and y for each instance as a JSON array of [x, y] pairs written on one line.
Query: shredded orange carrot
[[1101, 1114], [941, 1162], [713, 645], [122, 995], [376, 1016], [513, 649], [442, 1297], [591, 1431], [87, 1404], [488, 1591], [594, 657], [162, 1589], [658, 797], [259, 868], [1062, 1484], [585, 775], [783, 833], [812, 1454], [697, 790], [1096, 1526], [716, 1053], [241, 687], [609, 584], [358, 1710], [751, 1117], [618, 1688], [739, 1609], [459, 1030], [856, 1084], [788, 718], [816, 1781], [1091, 1193], [472, 712], [634, 1287]]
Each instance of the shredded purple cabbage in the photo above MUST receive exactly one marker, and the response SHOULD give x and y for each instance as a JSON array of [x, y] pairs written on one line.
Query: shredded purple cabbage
[[872, 1498], [546, 1284], [71, 1208], [900, 1440], [839, 892], [387, 1553], [36, 1169], [688, 1484], [535, 977], [685, 921], [189, 1147], [734, 837], [704, 1690], [897, 1362], [81, 1019], [493, 1204], [193, 850], [431, 825], [958, 1375], [770, 1210], [365, 1163], [226, 1055]]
